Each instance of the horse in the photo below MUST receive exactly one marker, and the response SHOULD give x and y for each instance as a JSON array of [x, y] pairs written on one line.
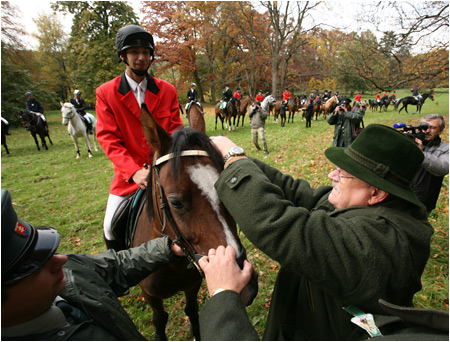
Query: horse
[[317, 109], [4, 133], [77, 128], [373, 105], [35, 124], [243, 109], [330, 105], [411, 100], [294, 104], [230, 112], [196, 118], [267, 103], [385, 101], [181, 202], [276, 110]]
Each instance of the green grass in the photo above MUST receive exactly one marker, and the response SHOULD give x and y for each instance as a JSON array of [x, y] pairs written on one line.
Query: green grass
[[55, 189]]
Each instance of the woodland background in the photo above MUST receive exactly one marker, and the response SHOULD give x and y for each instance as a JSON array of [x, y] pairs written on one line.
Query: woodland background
[[255, 45]]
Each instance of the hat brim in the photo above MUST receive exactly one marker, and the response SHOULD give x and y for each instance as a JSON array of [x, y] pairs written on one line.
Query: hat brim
[[338, 157], [36, 255]]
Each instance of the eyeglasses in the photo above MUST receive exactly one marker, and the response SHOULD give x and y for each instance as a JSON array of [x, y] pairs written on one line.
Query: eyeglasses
[[340, 177]]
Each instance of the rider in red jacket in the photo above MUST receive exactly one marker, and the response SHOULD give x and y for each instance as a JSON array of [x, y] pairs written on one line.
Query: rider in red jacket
[[287, 96], [119, 129]]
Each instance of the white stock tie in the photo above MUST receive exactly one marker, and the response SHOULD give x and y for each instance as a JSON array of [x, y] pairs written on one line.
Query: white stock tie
[[139, 95]]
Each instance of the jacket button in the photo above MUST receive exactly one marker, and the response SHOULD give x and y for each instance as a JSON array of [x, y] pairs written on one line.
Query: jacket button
[[233, 180]]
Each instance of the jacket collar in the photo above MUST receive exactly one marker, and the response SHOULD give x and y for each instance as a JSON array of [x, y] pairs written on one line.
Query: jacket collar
[[124, 87]]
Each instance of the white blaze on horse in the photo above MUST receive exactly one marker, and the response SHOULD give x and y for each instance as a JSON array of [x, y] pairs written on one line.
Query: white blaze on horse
[[77, 128]]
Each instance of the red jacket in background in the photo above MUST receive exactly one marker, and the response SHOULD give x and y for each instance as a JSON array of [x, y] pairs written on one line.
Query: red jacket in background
[[119, 129], [286, 96]]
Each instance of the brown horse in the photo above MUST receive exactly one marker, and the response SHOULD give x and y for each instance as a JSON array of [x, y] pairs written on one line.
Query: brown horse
[[329, 106], [317, 109], [230, 112], [33, 123], [243, 109], [293, 106], [196, 118], [181, 202]]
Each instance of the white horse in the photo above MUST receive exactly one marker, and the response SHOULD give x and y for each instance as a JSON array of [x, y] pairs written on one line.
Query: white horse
[[77, 128], [269, 99]]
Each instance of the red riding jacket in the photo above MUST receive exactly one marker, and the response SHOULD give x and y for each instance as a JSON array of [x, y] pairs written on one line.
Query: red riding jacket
[[119, 129]]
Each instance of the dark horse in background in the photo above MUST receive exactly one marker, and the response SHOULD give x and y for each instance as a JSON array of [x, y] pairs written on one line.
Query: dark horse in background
[[230, 112], [34, 123], [411, 100], [5, 132], [181, 202], [385, 101]]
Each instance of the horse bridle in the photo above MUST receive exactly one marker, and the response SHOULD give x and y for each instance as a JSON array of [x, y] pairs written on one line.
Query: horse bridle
[[72, 111], [165, 216], [30, 122]]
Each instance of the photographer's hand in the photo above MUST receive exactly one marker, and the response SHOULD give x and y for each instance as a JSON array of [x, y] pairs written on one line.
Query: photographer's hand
[[419, 143]]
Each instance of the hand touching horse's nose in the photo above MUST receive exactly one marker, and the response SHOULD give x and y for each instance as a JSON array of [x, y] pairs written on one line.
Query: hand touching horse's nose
[[223, 272]]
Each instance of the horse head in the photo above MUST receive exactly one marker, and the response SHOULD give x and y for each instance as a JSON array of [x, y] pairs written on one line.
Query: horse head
[[26, 117], [68, 111], [181, 185]]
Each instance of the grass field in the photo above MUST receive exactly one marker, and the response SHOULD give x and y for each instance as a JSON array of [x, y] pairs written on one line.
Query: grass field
[[55, 189]]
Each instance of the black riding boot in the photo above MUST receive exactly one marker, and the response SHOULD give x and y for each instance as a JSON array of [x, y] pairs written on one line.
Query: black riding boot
[[89, 128], [112, 244]]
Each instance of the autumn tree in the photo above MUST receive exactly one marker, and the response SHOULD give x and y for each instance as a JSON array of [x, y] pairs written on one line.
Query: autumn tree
[[92, 54], [177, 26], [53, 54], [20, 67], [287, 36], [251, 44]]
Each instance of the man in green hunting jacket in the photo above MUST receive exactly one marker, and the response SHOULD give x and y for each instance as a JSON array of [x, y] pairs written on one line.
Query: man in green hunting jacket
[[348, 245], [48, 296]]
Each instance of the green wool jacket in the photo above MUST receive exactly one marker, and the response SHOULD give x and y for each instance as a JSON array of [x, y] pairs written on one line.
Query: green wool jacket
[[343, 126], [329, 258], [93, 283]]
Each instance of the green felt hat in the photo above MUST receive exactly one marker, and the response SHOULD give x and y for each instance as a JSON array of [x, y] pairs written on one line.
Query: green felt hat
[[25, 249], [383, 157]]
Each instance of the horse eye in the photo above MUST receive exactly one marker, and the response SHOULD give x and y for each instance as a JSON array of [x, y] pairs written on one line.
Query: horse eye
[[176, 203]]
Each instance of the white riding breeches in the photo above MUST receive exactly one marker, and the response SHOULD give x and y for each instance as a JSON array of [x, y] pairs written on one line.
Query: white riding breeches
[[111, 206]]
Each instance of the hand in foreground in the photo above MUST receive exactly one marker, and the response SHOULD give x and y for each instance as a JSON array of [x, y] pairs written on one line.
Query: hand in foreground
[[222, 144], [222, 271], [140, 178]]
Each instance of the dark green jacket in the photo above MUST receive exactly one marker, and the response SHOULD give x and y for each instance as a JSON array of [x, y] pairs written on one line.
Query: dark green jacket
[[93, 283], [329, 258], [343, 126]]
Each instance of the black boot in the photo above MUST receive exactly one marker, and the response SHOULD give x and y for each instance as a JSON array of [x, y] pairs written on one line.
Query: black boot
[[89, 128], [112, 244]]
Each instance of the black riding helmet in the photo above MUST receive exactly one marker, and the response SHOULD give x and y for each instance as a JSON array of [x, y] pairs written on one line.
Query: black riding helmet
[[134, 36]]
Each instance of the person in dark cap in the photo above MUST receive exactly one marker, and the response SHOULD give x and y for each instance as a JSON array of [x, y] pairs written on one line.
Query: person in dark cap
[[346, 121], [119, 129], [50, 296], [364, 238], [227, 94]]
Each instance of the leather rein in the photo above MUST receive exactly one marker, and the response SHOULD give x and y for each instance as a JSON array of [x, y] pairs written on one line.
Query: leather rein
[[165, 215]]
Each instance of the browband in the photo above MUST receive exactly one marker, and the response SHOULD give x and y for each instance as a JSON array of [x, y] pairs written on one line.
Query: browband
[[169, 156]]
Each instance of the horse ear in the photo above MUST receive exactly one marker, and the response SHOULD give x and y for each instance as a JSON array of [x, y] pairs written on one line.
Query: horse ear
[[62, 104], [156, 135]]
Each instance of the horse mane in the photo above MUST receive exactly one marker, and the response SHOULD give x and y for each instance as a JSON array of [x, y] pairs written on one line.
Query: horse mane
[[189, 139]]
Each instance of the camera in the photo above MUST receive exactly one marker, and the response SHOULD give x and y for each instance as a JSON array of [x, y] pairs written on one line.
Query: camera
[[414, 131]]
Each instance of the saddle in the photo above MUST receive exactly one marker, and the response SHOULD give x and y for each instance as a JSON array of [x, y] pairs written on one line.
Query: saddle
[[124, 221], [224, 105]]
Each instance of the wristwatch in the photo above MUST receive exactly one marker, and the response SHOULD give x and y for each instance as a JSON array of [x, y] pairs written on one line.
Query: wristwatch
[[235, 151]]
